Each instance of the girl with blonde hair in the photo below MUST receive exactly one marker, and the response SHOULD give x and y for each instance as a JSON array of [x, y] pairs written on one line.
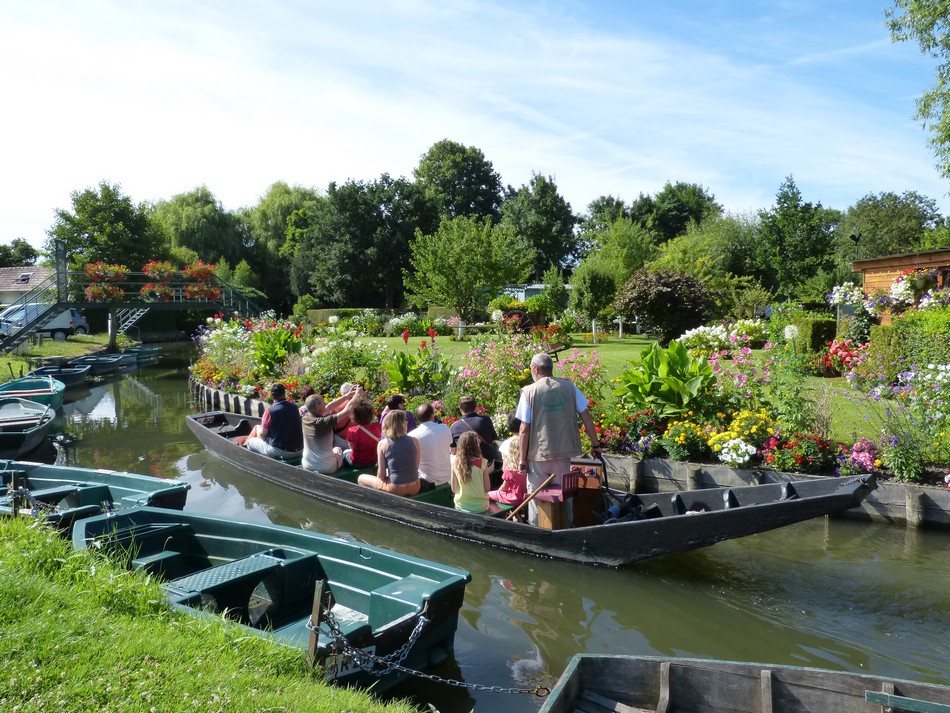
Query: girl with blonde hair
[[469, 480]]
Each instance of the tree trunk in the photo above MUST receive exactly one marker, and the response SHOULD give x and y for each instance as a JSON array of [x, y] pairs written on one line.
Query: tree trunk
[[113, 332]]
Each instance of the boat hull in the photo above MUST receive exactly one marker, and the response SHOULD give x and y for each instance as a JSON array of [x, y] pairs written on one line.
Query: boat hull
[[645, 683], [612, 545], [70, 376], [63, 494], [23, 425], [99, 365], [42, 389], [266, 576]]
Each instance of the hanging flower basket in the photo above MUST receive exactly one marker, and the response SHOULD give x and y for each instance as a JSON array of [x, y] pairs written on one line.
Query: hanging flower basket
[[200, 272], [152, 292], [103, 272], [159, 270], [202, 292], [104, 292]]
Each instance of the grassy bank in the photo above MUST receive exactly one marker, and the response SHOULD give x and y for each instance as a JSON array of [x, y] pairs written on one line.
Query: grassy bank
[[80, 634], [74, 346]]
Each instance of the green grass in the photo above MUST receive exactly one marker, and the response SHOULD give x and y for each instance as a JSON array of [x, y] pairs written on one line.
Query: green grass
[[81, 634]]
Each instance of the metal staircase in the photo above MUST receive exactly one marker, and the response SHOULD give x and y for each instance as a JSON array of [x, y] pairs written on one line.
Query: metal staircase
[[125, 318]]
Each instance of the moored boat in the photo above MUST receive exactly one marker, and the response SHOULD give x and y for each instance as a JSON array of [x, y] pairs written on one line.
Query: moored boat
[[70, 376], [643, 526], [23, 425], [42, 389], [142, 353], [341, 599], [99, 364], [594, 682], [62, 494]]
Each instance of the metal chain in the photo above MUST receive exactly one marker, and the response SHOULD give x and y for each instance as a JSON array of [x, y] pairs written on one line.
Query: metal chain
[[393, 662]]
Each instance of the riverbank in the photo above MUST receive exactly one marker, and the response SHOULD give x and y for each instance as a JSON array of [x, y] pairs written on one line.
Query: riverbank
[[79, 633]]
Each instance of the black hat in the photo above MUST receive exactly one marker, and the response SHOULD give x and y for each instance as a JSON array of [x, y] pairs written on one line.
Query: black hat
[[278, 390]]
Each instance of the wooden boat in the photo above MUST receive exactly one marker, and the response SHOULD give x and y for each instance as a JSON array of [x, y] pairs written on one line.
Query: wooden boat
[[23, 425], [62, 494], [655, 524], [99, 364], [275, 580], [142, 353], [647, 683], [42, 389], [71, 376]]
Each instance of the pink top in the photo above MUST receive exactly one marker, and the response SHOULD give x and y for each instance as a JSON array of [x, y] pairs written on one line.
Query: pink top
[[517, 488]]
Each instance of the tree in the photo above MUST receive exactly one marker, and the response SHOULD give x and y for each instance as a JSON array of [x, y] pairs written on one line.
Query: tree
[[17, 253], [673, 209], [927, 22], [554, 290], [664, 302], [197, 220], [886, 224], [794, 240], [544, 219], [592, 289], [627, 247], [463, 263], [106, 225], [459, 180], [601, 213], [354, 248]]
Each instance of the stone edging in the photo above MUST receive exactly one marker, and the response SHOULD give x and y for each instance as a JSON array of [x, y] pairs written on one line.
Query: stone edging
[[893, 503]]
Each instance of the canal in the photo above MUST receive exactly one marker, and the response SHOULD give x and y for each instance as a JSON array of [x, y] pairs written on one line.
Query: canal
[[826, 593]]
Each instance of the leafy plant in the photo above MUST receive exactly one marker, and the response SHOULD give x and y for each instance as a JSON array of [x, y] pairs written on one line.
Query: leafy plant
[[272, 347], [685, 440], [666, 303], [669, 381]]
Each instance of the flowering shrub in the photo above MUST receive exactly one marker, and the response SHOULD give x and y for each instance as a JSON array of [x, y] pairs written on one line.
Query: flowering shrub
[[846, 294], [799, 453], [495, 369], [159, 270], [843, 356], [732, 450], [877, 303], [103, 292], [706, 340], [552, 333], [685, 440], [862, 457], [200, 271], [202, 292], [934, 299], [154, 292], [585, 370], [741, 382], [102, 272]]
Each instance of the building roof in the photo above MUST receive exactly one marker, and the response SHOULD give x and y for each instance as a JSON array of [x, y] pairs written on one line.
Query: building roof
[[931, 257], [22, 279]]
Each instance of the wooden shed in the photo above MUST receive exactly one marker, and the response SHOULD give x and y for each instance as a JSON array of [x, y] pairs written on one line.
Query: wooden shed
[[880, 272]]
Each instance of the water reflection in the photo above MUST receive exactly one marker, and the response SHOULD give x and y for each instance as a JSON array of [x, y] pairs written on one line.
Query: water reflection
[[834, 594]]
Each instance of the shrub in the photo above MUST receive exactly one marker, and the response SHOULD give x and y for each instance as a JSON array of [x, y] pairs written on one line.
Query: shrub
[[882, 361], [923, 336], [670, 381], [495, 369], [799, 453], [666, 303], [685, 440]]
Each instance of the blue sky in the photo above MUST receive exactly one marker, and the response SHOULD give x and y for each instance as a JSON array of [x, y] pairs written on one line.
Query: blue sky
[[608, 98]]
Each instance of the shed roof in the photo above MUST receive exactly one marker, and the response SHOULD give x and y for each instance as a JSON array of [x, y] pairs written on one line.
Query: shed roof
[[24, 278]]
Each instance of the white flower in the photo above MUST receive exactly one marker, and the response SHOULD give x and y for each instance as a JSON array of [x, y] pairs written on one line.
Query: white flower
[[333, 319], [497, 315], [736, 452], [791, 332]]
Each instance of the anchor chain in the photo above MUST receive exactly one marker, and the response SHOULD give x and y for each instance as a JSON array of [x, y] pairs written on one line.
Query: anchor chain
[[393, 662]]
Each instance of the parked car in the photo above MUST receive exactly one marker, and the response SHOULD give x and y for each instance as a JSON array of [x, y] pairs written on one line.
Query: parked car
[[69, 321]]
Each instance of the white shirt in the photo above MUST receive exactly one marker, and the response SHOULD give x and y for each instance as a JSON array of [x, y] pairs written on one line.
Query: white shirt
[[435, 440]]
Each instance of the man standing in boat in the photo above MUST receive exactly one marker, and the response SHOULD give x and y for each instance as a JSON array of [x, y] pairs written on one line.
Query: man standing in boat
[[281, 434], [548, 410]]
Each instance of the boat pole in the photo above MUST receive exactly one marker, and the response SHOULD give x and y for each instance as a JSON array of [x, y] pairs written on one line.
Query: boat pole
[[528, 499]]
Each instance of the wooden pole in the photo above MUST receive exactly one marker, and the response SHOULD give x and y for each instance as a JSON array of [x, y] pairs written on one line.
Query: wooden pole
[[528, 499]]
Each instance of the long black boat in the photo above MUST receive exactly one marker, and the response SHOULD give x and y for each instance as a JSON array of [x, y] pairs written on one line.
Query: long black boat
[[594, 682], [649, 525]]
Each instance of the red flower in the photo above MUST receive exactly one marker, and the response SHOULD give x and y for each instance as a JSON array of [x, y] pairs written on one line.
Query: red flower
[[405, 336], [423, 345], [432, 333]]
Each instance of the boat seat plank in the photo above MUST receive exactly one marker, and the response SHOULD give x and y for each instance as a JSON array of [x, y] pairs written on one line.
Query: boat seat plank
[[57, 492], [590, 701], [901, 703], [165, 563], [240, 570], [396, 599]]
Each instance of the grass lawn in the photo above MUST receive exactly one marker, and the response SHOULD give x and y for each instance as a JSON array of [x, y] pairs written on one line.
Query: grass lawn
[[73, 346]]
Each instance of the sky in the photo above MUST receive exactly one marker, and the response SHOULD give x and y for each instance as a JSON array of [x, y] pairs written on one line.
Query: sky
[[607, 98]]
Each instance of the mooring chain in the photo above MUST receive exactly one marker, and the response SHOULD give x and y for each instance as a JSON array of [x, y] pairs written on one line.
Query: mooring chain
[[393, 662]]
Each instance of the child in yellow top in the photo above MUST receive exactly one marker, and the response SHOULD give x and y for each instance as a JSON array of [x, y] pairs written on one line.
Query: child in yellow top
[[469, 480]]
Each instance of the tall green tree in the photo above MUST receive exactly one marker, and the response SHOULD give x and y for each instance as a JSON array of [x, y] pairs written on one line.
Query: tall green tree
[[462, 264], [795, 240], [672, 209], [460, 180], [539, 214], [197, 220], [18, 252], [927, 22], [104, 224], [593, 288], [886, 224], [353, 250]]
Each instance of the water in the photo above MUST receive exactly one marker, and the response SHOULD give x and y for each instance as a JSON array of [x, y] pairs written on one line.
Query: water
[[833, 594]]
